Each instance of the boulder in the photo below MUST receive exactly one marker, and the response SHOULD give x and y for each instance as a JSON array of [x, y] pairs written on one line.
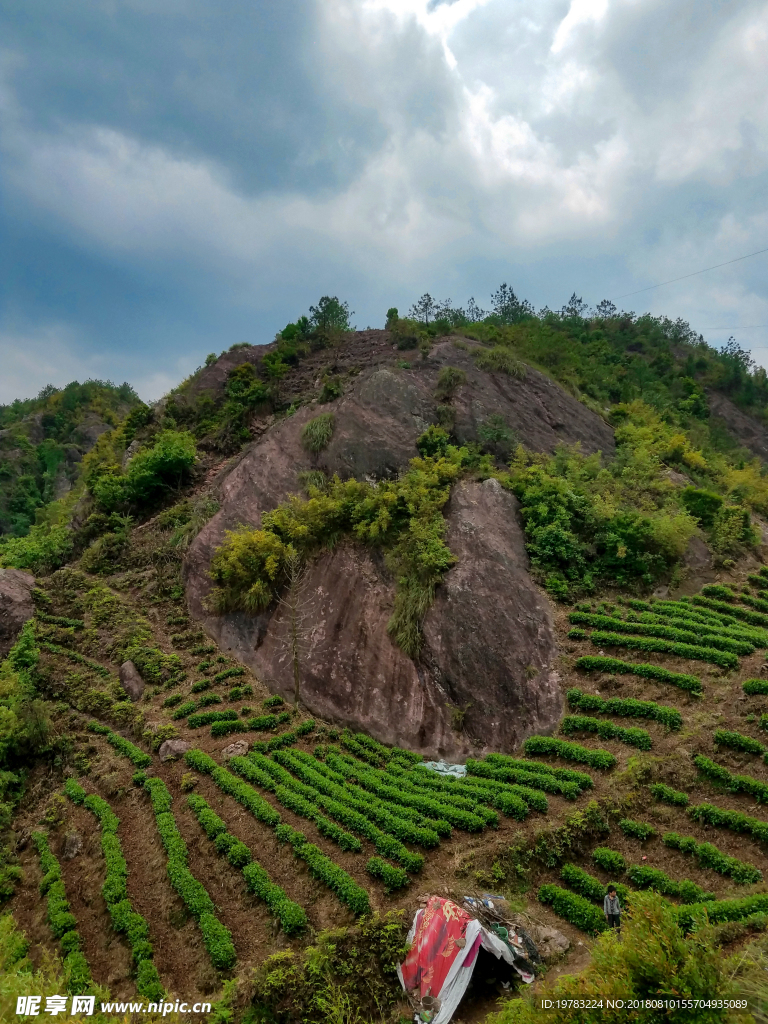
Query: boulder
[[550, 942], [170, 750], [16, 605], [131, 681], [73, 844], [237, 749]]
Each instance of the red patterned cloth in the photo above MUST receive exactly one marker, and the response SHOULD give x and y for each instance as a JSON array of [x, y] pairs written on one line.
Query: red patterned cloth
[[442, 927]]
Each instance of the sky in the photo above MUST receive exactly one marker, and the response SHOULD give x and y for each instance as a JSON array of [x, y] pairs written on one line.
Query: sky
[[177, 176]]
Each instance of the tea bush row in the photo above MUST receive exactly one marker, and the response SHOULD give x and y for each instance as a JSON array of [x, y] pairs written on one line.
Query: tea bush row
[[226, 728], [709, 856], [668, 795], [737, 741], [216, 937], [209, 717], [609, 860], [291, 916], [736, 821], [504, 773], [691, 651], [734, 783], [60, 917], [548, 746], [392, 877], [754, 618], [718, 911], [606, 730], [626, 707], [579, 911], [590, 887], [75, 656], [636, 829], [755, 686], [134, 754], [345, 887], [115, 892], [645, 877], [602, 663], [582, 780], [510, 799], [741, 647]]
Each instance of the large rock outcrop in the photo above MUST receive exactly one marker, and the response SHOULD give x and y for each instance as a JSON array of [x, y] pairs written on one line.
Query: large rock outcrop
[[486, 675], [15, 605]]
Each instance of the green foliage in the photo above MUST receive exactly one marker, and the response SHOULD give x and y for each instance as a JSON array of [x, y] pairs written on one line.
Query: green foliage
[[229, 673], [579, 911], [637, 829], [449, 380], [150, 474], [292, 917], [511, 774], [734, 783], [645, 877], [598, 663], [43, 549], [588, 886], [392, 877], [227, 728], [582, 780], [317, 432], [275, 701], [124, 917], [184, 709], [709, 856], [500, 359], [627, 707], [736, 821], [122, 745], [609, 860], [738, 741], [689, 636], [664, 793], [723, 910], [403, 516], [692, 651], [434, 442], [216, 938], [208, 717], [606, 730], [547, 745], [701, 504], [755, 686]]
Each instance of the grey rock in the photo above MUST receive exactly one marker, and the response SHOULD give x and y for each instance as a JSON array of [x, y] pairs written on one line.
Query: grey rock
[[16, 605], [73, 844], [130, 451], [237, 749], [550, 943], [172, 749], [131, 681]]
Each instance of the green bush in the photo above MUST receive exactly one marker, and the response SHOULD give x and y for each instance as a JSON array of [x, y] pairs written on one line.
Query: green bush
[[736, 821], [317, 432], [588, 886], [216, 938], [173, 700], [609, 860], [660, 791], [184, 709], [209, 717], [709, 856], [582, 780], [507, 773], [274, 701], [227, 728], [734, 610], [150, 473], [734, 783], [228, 673], [702, 505], [124, 746], [547, 745], [599, 663], [262, 723], [292, 917], [575, 909], [692, 651], [500, 359], [392, 877], [717, 590], [636, 829], [688, 636], [449, 380], [723, 910], [755, 686], [626, 707], [513, 800], [645, 877], [606, 730], [737, 741]]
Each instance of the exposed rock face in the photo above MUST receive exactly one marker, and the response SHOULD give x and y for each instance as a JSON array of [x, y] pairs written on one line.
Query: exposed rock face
[[15, 605], [73, 844], [489, 647], [131, 681], [170, 750], [237, 749], [747, 430]]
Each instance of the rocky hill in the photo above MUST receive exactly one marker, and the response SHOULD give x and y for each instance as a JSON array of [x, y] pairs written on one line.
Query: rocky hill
[[479, 542]]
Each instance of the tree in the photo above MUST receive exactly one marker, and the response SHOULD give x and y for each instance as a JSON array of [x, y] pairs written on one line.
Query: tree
[[575, 307], [425, 309], [507, 307], [294, 603], [330, 314], [606, 309]]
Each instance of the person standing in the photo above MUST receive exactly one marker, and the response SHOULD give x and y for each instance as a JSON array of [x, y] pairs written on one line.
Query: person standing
[[612, 909]]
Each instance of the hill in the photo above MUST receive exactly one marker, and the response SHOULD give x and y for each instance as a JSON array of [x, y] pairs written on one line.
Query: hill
[[529, 543]]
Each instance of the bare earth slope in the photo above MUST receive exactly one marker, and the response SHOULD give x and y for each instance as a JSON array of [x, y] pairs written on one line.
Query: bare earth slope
[[489, 642]]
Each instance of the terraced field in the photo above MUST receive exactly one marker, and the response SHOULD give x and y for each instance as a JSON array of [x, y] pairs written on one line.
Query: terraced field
[[196, 870]]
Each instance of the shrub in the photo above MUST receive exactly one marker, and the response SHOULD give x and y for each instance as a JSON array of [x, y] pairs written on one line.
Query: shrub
[[636, 829], [317, 432], [546, 745], [226, 728], [173, 700], [209, 717], [579, 911], [702, 505], [606, 730], [449, 380], [150, 473], [691, 651], [507, 773], [392, 877], [609, 860], [665, 632], [735, 783], [184, 709], [124, 746], [734, 610], [216, 938], [724, 910], [228, 673], [660, 791], [275, 701], [626, 707], [755, 686], [652, 878], [737, 741], [709, 856], [734, 820], [588, 886], [62, 922], [599, 663], [582, 780]]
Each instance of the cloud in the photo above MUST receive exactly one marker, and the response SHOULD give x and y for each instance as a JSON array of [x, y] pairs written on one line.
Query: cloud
[[180, 178]]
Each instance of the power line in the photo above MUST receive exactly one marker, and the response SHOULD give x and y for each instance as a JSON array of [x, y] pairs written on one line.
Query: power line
[[752, 327], [694, 274]]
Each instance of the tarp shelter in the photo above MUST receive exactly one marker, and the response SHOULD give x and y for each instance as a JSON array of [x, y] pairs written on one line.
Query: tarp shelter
[[445, 942]]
